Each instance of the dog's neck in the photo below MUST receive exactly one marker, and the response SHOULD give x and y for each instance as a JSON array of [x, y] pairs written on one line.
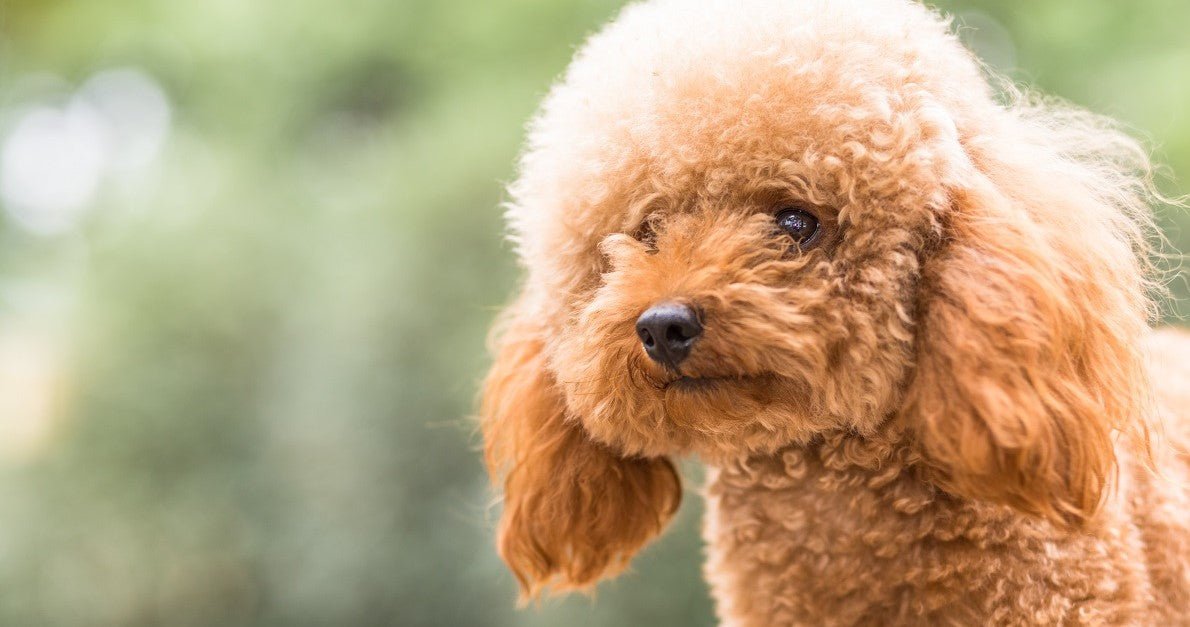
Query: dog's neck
[[840, 465], [883, 457], [809, 523]]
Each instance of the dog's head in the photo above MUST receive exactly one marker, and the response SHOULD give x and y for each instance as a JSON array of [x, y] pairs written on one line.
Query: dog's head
[[748, 224]]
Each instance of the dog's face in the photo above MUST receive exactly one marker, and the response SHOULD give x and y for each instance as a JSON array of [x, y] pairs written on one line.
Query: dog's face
[[783, 197], [750, 303], [747, 224]]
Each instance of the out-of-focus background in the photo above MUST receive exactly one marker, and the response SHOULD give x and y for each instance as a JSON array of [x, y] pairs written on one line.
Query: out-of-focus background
[[249, 250]]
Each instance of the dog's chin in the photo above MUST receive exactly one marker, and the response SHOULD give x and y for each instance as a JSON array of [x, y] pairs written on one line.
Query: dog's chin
[[722, 416]]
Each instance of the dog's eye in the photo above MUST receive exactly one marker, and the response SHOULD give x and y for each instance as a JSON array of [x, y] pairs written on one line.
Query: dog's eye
[[800, 224], [647, 235]]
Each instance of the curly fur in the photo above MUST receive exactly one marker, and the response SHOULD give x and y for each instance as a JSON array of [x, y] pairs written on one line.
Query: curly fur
[[940, 415]]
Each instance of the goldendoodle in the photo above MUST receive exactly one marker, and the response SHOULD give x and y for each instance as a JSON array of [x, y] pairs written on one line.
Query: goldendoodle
[[901, 315]]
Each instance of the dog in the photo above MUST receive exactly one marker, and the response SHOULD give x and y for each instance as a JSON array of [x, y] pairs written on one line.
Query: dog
[[900, 309]]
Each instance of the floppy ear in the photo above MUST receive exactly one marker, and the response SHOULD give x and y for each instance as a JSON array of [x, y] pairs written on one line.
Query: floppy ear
[[574, 510], [1031, 314]]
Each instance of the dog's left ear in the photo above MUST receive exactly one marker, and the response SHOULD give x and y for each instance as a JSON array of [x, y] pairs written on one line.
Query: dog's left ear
[[575, 511], [1031, 313]]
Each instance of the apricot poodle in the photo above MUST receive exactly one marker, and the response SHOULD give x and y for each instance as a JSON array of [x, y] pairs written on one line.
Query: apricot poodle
[[903, 316]]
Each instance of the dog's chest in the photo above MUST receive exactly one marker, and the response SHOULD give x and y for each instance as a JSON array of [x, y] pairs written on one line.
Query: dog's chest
[[792, 542]]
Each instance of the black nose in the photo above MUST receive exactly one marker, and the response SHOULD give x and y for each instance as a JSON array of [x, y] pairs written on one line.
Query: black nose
[[668, 330]]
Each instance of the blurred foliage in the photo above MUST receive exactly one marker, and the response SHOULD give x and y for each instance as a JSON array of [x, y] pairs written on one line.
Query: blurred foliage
[[258, 356]]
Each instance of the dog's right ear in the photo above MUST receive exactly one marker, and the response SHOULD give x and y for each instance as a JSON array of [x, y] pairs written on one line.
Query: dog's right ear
[[574, 510], [1032, 315]]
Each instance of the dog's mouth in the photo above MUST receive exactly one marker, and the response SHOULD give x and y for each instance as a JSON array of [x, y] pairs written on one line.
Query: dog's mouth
[[693, 384]]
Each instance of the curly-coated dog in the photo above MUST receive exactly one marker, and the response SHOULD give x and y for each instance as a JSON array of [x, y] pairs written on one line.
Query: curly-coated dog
[[901, 315]]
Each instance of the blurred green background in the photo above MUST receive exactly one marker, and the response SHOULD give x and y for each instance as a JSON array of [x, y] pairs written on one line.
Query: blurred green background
[[249, 250]]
